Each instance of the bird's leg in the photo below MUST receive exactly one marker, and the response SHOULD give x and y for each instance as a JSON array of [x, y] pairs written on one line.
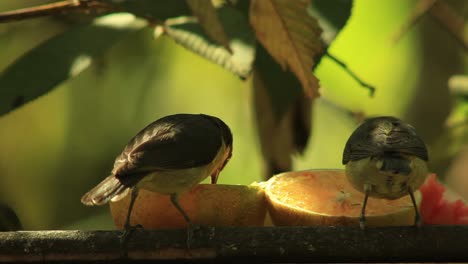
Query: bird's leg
[[175, 202], [134, 195], [417, 216], [191, 226], [214, 176], [129, 228], [362, 217]]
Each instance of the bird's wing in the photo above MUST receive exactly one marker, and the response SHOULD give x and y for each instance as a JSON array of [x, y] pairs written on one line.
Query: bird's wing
[[403, 139], [359, 151], [373, 139], [359, 145], [174, 142]]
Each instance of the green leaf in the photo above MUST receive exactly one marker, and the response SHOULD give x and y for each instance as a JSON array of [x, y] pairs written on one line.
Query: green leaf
[[332, 16], [60, 58], [156, 10], [208, 18], [283, 87], [191, 35]]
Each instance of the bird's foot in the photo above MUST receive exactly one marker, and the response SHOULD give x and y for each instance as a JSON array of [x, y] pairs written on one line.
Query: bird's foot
[[128, 231], [362, 222], [191, 229], [417, 221]]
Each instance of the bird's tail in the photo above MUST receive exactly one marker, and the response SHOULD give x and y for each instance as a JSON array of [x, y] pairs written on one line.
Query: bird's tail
[[396, 164], [109, 189]]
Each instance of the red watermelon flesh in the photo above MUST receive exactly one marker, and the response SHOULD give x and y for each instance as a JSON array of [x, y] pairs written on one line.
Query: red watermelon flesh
[[436, 209]]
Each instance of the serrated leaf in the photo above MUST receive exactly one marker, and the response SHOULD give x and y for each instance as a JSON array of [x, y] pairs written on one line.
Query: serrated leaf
[[155, 10], [60, 58], [191, 35], [208, 18], [290, 35], [283, 115], [275, 79], [332, 16]]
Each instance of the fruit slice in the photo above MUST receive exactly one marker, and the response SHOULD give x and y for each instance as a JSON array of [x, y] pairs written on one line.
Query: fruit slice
[[206, 204], [325, 197]]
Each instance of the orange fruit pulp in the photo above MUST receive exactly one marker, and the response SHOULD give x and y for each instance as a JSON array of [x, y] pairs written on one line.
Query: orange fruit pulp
[[315, 197], [325, 197], [205, 204]]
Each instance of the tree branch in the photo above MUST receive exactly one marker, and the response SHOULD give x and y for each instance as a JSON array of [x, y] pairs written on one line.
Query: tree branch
[[451, 21], [444, 14], [55, 8], [265, 244], [422, 7]]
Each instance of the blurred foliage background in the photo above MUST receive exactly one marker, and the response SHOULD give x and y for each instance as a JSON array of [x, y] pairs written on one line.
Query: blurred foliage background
[[55, 148]]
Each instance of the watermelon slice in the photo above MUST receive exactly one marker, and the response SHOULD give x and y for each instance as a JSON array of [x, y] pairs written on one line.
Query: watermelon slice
[[436, 209]]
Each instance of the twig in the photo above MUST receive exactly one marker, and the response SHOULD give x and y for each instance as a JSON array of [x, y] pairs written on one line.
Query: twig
[[371, 88], [422, 7], [451, 21], [261, 244], [51, 9], [444, 15]]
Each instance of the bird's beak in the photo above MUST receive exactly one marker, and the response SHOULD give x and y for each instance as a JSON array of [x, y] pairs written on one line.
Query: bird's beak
[[214, 176]]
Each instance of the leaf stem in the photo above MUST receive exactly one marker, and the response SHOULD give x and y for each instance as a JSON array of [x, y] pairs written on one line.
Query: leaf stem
[[371, 88]]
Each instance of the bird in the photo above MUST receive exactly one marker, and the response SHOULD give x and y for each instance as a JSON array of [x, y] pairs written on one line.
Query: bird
[[169, 156], [385, 158]]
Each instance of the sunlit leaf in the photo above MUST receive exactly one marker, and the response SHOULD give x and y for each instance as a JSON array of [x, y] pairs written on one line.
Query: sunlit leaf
[[290, 35], [208, 18], [191, 35], [60, 58]]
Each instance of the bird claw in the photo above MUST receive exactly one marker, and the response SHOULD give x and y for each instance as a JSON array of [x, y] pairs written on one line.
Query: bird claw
[[362, 222], [128, 230], [129, 227], [191, 229], [417, 222]]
